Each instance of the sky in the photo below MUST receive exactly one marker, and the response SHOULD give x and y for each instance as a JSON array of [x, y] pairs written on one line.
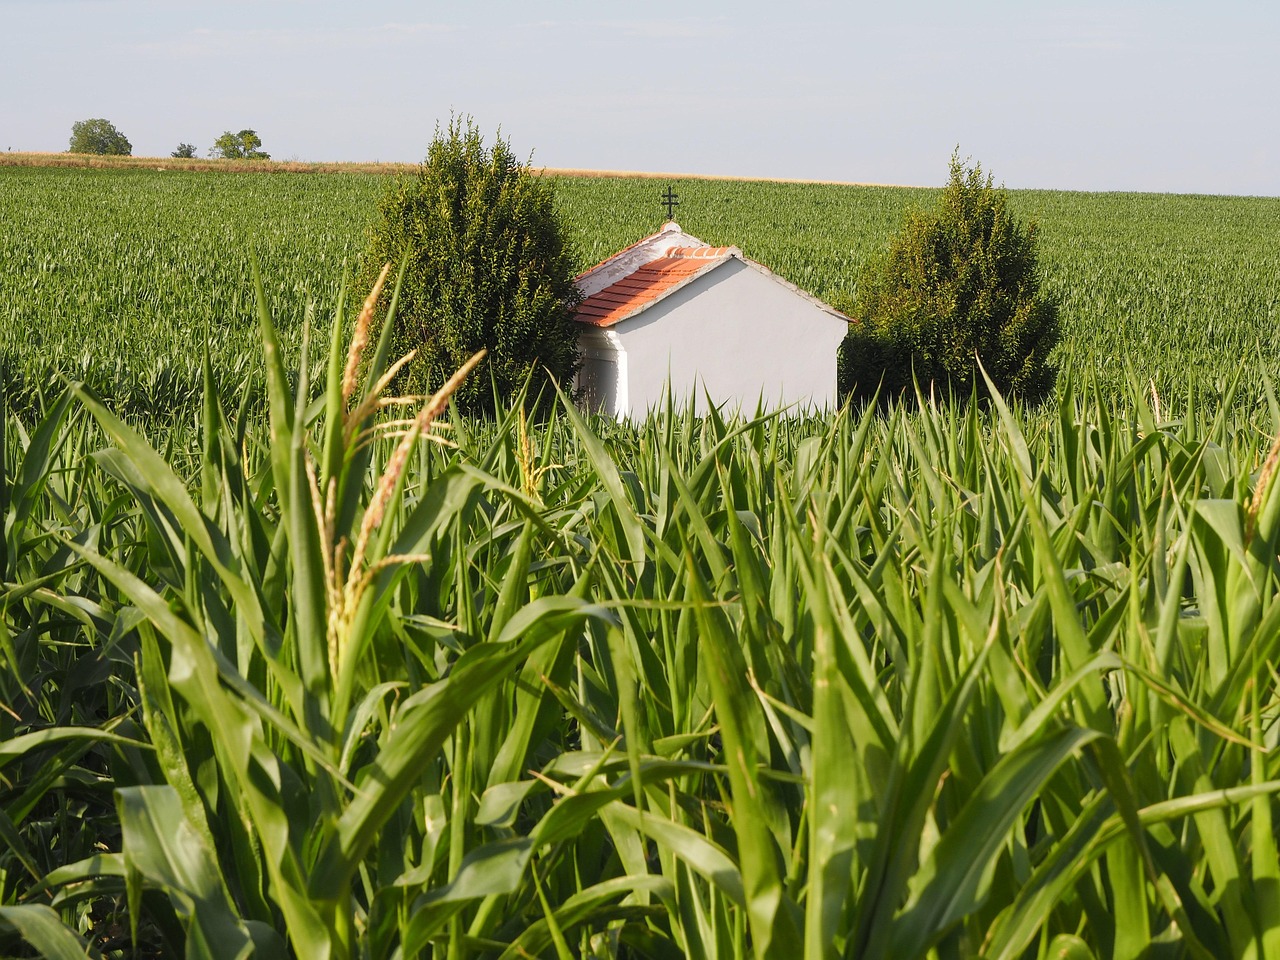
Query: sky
[[1132, 95]]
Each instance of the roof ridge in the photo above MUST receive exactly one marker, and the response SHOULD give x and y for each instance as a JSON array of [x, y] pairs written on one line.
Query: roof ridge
[[613, 256], [703, 253], [652, 247]]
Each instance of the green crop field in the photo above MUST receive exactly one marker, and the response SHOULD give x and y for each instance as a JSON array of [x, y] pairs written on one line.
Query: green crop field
[[121, 276], [940, 682]]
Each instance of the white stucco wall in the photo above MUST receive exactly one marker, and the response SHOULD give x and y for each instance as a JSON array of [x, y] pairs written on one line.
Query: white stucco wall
[[740, 333], [601, 381]]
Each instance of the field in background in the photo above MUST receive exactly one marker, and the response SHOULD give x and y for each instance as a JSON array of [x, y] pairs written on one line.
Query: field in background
[[210, 165], [120, 275], [89, 161]]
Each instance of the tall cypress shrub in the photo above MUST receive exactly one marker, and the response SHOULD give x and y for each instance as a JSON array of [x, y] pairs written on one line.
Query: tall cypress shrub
[[957, 284], [489, 265]]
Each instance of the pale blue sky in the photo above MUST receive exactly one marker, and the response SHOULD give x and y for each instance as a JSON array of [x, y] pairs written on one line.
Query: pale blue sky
[[1122, 95]]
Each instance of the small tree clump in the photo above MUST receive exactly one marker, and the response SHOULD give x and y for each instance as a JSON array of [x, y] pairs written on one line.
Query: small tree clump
[[955, 285], [185, 151], [489, 265], [99, 136], [238, 146]]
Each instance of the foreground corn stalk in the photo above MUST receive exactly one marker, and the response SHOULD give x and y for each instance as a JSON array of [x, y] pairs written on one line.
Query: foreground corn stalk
[[286, 755]]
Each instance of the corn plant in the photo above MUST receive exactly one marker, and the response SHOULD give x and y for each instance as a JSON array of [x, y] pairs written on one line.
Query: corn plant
[[66, 690], [939, 682], [259, 685]]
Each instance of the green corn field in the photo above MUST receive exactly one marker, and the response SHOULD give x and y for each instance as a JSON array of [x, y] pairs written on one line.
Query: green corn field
[[119, 278], [281, 676]]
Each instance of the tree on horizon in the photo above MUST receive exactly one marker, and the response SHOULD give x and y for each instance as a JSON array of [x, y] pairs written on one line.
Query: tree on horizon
[[238, 146], [99, 136]]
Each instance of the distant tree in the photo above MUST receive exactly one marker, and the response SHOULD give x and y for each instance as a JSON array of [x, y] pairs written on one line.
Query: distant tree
[[99, 136], [956, 284], [490, 266], [185, 151], [238, 146]]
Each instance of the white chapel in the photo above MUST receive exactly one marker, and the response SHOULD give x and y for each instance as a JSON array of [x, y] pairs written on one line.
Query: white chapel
[[705, 320]]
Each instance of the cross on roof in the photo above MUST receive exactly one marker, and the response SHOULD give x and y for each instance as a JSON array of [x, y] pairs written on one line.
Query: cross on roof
[[670, 201]]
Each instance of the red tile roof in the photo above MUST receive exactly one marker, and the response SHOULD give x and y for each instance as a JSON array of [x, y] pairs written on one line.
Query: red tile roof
[[649, 283]]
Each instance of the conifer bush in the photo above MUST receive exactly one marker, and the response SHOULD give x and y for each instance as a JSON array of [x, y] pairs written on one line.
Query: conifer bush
[[957, 284], [489, 266]]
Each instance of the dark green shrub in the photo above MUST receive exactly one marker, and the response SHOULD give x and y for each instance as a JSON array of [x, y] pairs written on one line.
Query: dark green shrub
[[955, 284], [489, 265]]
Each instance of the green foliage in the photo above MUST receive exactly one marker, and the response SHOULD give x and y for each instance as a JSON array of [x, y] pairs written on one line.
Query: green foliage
[[237, 146], [137, 311], [965, 679], [185, 151], [119, 277], [912, 687], [955, 284], [490, 266], [99, 136]]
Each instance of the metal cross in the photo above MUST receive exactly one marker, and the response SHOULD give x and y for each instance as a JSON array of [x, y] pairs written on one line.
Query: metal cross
[[670, 201]]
